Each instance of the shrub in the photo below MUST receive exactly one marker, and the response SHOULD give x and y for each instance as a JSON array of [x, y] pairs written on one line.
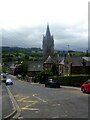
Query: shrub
[[75, 81]]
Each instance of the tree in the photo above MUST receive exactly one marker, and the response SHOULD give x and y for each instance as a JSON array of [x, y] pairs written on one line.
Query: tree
[[26, 57], [87, 54], [54, 69], [21, 69]]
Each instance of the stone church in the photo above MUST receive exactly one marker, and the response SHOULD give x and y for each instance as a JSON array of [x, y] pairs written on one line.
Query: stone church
[[48, 44]]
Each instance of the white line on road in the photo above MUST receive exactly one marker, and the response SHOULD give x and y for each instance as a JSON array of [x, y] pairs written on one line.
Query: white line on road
[[34, 95]]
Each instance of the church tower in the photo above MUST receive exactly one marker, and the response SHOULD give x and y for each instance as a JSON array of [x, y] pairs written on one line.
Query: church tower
[[48, 44]]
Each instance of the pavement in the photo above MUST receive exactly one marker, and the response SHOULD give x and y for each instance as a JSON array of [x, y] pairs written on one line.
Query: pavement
[[70, 87], [9, 105], [0, 102], [10, 109]]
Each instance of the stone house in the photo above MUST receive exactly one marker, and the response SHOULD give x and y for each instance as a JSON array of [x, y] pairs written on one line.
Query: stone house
[[74, 65], [47, 65], [34, 67]]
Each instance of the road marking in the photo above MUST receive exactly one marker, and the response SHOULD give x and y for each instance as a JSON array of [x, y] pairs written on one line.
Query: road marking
[[31, 101], [56, 117], [20, 100], [58, 104], [32, 109], [34, 95], [27, 107], [23, 100], [19, 96], [20, 117]]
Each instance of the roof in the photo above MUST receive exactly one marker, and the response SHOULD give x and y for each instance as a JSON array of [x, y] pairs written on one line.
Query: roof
[[86, 58], [35, 66], [62, 62], [49, 60], [77, 61]]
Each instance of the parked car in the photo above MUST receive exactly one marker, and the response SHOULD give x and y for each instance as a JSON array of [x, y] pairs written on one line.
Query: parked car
[[4, 77], [9, 81], [19, 76], [7, 73], [85, 87], [52, 83], [1, 74]]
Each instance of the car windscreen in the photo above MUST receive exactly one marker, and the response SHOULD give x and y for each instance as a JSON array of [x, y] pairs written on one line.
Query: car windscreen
[[8, 80]]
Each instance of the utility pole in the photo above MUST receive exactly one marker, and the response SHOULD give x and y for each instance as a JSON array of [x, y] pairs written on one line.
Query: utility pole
[[68, 47]]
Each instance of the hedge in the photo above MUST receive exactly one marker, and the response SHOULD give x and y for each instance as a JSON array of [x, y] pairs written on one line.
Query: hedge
[[75, 81]]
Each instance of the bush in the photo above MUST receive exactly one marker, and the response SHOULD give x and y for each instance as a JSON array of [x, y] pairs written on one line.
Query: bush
[[41, 77], [75, 81]]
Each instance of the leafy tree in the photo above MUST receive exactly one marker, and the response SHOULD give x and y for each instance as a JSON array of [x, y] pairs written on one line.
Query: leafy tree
[[54, 69], [26, 57], [21, 69]]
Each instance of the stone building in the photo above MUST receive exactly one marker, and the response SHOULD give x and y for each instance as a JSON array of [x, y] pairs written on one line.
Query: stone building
[[48, 44], [74, 65]]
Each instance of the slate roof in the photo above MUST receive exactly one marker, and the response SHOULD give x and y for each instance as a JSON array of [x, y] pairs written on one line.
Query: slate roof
[[87, 60], [49, 60], [35, 66], [77, 61], [62, 62]]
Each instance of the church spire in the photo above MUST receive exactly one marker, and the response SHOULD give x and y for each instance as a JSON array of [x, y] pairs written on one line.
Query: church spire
[[48, 31], [48, 44]]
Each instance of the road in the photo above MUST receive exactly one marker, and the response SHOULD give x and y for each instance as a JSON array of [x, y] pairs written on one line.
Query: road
[[36, 101]]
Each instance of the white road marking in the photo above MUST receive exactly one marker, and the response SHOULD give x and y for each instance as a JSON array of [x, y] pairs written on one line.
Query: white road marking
[[34, 95], [20, 117], [58, 104], [56, 117], [30, 109]]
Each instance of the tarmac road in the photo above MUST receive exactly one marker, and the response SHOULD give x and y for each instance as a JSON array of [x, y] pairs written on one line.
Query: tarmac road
[[36, 101]]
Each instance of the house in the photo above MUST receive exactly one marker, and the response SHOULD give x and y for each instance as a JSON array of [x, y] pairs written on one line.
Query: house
[[48, 63], [34, 67], [74, 65]]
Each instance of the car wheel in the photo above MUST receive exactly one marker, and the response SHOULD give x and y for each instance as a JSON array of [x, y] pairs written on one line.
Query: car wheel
[[83, 90], [58, 86], [45, 85], [11, 83]]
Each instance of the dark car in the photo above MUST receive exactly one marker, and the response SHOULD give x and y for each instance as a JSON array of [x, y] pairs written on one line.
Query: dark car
[[4, 78], [52, 83], [85, 87]]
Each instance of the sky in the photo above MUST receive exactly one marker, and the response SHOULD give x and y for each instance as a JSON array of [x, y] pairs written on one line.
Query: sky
[[23, 23]]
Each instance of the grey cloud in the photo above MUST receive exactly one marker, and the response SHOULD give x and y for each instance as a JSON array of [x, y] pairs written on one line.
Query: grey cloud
[[33, 36]]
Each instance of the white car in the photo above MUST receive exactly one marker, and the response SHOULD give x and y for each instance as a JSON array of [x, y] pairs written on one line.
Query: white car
[[9, 81]]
